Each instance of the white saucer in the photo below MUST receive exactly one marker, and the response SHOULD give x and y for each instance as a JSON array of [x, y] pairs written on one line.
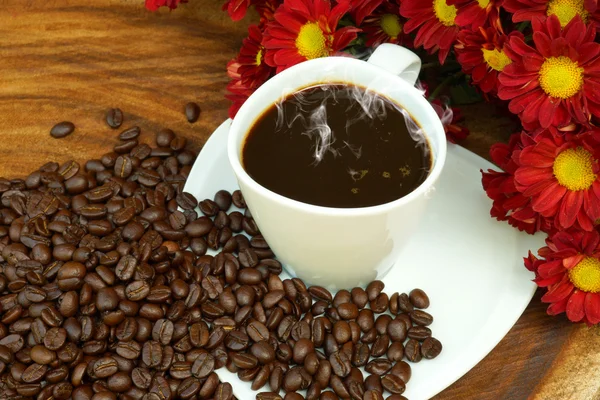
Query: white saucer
[[470, 265]]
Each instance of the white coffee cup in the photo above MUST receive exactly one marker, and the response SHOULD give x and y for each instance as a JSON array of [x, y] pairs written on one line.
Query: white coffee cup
[[340, 247]]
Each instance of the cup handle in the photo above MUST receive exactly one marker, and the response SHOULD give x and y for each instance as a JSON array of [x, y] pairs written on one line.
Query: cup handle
[[397, 60]]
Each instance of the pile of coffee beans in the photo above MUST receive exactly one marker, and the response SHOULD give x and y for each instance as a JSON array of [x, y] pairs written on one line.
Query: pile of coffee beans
[[107, 291]]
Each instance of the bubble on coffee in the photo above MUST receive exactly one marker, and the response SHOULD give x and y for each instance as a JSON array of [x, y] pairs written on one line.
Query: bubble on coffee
[[337, 145]]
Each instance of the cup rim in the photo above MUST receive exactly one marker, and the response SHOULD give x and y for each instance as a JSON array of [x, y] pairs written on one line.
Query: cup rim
[[234, 154]]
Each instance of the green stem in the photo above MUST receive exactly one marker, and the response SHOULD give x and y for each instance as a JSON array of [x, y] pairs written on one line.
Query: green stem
[[430, 64], [443, 85], [521, 27]]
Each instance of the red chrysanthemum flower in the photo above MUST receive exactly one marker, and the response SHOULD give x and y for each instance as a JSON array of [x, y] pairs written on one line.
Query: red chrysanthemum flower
[[571, 272], [154, 5], [436, 22], [450, 117], [481, 54], [306, 29], [556, 82], [508, 204], [560, 175], [384, 26], [363, 8], [564, 10], [248, 71], [237, 8], [476, 14]]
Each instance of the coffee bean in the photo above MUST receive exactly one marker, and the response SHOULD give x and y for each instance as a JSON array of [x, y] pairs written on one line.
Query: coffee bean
[[257, 331], [62, 129], [340, 364], [378, 366], [348, 311], [393, 384], [203, 365], [105, 367], [419, 333], [412, 350], [320, 293], [361, 355], [421, 318], [380, 346], [431, 348], [418, 298], [374, 289], [404, 303], [223, 392], [268, 396], [192, 112], [129, 133], [373, 395], [342, 332], [114, 118]]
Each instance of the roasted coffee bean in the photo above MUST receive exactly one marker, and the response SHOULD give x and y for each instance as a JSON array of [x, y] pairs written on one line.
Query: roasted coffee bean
[[396, 351], [257, 331], [404, 303], [418, 298], [268, 396], [365, 320], [380, 346], [431, 348], [223, 392], [114, 118], [378, 366], [203, 365], [419, 333], [192, 112], [62, 129], [374, 289], [348, 311], [373, 395], [245, 360], [360, 355], [342, 332], [396, 329], [105, 367], [340, 364], [421, 318], [393, 384], [412, 350]]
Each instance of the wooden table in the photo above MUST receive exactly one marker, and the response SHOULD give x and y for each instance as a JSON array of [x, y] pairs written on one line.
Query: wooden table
[[73, 59]]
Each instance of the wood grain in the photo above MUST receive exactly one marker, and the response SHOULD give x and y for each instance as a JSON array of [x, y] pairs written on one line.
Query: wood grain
[[74, 59]]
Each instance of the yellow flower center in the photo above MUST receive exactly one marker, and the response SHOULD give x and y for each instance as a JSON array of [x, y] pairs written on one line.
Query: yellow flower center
[[483, 3], [311, 41], [561, 77], [566, 10], [586, 275], [574, 169], [259, 56], [496, 59], [390, 24], [445, 13]]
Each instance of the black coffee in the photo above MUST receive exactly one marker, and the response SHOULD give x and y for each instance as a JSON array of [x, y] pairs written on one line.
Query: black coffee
[[337, 146]]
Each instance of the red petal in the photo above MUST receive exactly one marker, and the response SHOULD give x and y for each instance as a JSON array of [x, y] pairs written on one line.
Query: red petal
[[558, 292], [571, 205], [575, 310], [549, 197], [592, 307]]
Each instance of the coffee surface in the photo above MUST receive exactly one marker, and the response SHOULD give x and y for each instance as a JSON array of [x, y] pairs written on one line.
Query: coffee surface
[[336, 146]]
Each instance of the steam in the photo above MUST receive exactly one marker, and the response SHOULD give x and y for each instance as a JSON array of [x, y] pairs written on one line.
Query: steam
[[373, 105]]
